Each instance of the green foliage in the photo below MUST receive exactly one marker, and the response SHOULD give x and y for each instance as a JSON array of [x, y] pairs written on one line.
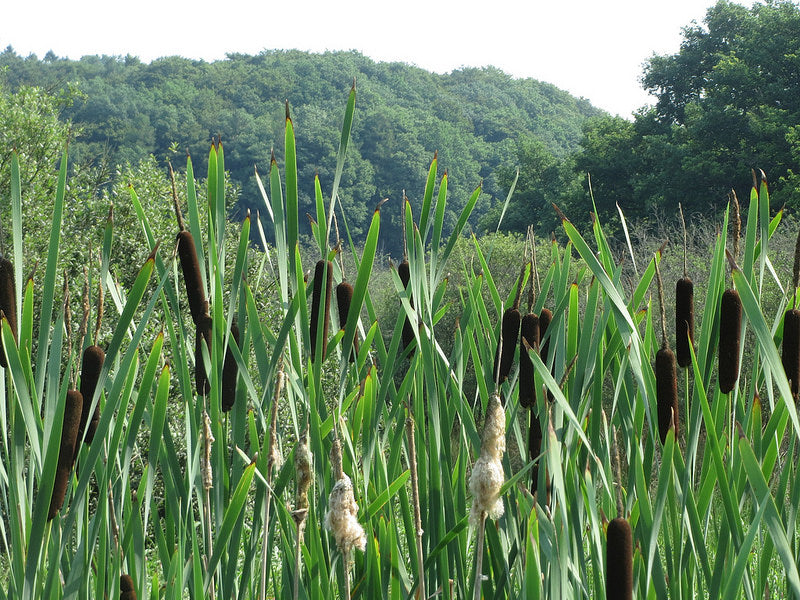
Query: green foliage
[[131, 110], [726, 103]]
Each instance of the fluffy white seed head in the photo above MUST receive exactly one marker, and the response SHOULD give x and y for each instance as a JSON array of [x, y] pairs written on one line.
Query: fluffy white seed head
[[341, 517], [303, 472], [487, 474]]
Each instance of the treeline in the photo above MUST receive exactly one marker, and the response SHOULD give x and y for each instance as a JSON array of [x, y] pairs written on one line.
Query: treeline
[[727, 102], [127, 110]]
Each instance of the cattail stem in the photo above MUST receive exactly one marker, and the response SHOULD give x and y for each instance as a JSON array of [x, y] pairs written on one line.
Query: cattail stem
[[271, 461], [479, 557], [301, 525], [412, 459]]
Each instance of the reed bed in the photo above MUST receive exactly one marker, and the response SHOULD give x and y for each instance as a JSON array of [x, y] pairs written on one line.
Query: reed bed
[[187, 487]]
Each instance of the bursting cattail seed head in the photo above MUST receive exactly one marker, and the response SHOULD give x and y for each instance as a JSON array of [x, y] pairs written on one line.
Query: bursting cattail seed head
[[666, 392], [619, 560], [344, 297], [487, 475], [730, 327], [529, 334], [304, 473], [93, 358], [404, 272], [66, 452], [342, 508], [321, 272], [203, 332], [8, 303], [230, 372], [190, 265], [126, 591], [791, 348], [684, 321], [504, 355]]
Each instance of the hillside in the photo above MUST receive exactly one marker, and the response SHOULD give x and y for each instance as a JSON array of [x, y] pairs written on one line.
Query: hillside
[[474, 118]]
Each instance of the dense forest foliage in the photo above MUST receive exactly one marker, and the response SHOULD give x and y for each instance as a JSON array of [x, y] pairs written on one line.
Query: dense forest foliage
[[728, 101], [127, 110]]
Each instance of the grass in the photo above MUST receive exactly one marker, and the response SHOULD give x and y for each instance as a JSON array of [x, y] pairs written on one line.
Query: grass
[[713, 513]]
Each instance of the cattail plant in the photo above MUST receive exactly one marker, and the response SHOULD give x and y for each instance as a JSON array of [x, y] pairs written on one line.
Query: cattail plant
[[304, 476], [202, 334], [666, 374], [230, 372], [126, 591], [509, 333], [487, 478], [190, 265], [323, 270], [684, 310], [404, 272], [66, 454], [619, 543], [619, 560], [528, 340], [344, 297], [341, 518], [790, 350], [545, 318], [92, 364], [8, 304], [730, 320], [534, 445]]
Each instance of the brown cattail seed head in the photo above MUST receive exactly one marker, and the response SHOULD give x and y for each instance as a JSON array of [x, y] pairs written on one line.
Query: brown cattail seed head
[[93, 358], [619, 560], [684, 321], [545, 318], [791, 348], [666, 392], [203, 333], [730, 328], [230, 372], [529, 335], [126, 591], [323, 275], [190, 266], [66, 453], [404, 272], [504, 355], [8, 303], [344, 297]]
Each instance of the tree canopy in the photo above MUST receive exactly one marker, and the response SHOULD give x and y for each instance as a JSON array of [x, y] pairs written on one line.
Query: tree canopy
[[130, 109]]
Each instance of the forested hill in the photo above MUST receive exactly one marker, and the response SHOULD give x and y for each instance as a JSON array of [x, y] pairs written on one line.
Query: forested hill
[[474, 118]]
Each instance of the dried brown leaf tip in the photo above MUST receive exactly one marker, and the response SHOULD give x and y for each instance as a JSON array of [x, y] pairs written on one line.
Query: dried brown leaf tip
[[323, 283], [8, 304]]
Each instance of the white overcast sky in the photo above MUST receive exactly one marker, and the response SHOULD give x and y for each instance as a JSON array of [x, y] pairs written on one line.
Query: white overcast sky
[[591, 48]]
